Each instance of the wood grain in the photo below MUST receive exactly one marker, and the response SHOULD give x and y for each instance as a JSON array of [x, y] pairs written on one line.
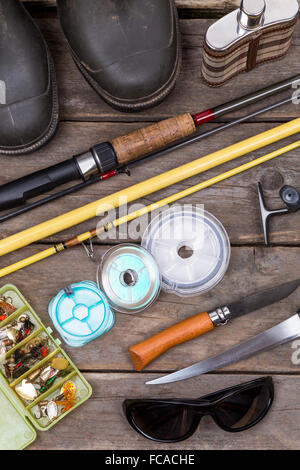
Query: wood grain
[[100, 423], [251, 269], [80, 102], [233, 201], [87, 120]]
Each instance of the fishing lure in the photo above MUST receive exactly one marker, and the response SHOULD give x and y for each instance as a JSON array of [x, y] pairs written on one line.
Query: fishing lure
[[6, 307]]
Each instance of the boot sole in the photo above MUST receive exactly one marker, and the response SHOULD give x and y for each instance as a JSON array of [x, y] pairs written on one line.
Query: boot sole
[[144, 103], [52, 128]]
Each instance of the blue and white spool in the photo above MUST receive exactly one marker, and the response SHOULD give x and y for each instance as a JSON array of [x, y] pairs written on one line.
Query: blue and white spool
[[191, 248], [81, 313], [130, 278]]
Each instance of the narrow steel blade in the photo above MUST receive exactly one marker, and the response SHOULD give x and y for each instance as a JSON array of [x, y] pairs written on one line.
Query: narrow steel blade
[[263, 299], [269, 339]]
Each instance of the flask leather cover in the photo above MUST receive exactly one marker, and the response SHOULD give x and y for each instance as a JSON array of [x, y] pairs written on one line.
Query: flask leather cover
[[258, 32]]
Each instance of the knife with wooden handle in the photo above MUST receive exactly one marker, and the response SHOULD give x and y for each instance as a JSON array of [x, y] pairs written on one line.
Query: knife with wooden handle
[[143, 353]]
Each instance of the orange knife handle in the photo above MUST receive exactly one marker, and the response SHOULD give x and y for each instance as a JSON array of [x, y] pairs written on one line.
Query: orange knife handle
[[143, 353]]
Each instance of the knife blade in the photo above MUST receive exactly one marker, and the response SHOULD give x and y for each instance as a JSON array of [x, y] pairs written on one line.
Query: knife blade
[[262, 299], [269, 339], [143, 353]]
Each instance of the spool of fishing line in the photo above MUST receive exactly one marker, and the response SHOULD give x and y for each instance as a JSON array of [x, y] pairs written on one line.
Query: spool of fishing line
[[191, 248], [130, 278]]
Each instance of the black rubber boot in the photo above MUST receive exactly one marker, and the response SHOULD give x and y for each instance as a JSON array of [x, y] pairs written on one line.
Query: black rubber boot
[[29, 110], [128, 50]]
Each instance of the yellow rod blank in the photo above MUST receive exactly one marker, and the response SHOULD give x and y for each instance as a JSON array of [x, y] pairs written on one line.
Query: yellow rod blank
[[152, 207], [203, 185], [69, 219]]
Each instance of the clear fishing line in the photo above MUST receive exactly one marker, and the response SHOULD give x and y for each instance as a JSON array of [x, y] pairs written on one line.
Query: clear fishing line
[[191, 248]]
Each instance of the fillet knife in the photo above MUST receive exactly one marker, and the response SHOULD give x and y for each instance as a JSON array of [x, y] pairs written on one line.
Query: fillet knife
[[269, 339], [144, 352]]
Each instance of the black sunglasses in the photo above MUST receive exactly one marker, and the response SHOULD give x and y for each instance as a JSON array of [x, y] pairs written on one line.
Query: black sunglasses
[[234, 409]]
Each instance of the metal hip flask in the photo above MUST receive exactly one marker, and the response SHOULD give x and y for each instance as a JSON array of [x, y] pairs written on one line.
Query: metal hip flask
[[259, 31]]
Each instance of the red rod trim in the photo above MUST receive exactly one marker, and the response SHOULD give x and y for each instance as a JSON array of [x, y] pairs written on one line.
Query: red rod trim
[[109, 174], [205, 116]]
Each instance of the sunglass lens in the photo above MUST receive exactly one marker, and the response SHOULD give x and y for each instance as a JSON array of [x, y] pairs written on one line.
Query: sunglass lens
[[244, 408], [163, 422]]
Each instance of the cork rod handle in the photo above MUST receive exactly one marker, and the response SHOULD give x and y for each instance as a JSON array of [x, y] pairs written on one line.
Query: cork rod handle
[[143, 141], [143, 353]]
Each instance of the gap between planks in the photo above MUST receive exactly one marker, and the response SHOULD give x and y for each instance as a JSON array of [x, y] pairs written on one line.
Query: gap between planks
[[169, 371]]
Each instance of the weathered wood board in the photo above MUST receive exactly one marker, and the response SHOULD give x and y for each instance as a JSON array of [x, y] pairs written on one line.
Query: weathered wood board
[[87, 120], [80, 102], [100, 424], [234, 201], [251, 269]]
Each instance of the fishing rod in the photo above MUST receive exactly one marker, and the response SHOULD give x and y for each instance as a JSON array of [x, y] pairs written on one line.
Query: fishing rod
[[108, 159], [144, 188], [79, 239]]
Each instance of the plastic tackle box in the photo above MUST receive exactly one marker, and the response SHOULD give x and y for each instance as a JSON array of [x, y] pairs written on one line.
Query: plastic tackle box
[[19, 418]]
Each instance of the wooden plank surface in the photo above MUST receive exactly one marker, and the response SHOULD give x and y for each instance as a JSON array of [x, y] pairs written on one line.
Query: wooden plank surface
[[234, 201], [87, 120], [80, 102], [251, 269], [100, 424]]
